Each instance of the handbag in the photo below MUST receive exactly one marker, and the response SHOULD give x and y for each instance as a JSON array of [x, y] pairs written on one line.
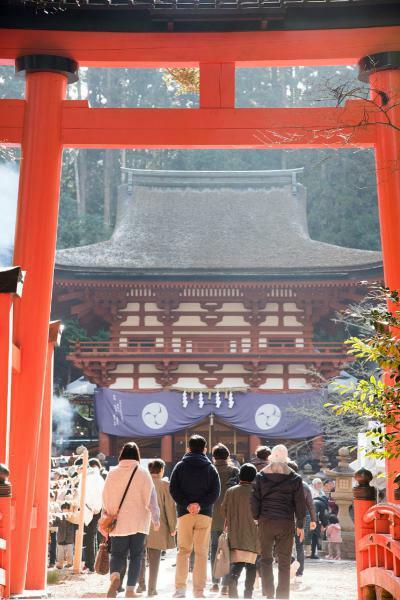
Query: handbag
[[102, 562], [107, 523], [222, 563]]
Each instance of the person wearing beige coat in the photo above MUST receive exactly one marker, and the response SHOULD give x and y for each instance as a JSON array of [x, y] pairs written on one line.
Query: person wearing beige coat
[[164, 538]]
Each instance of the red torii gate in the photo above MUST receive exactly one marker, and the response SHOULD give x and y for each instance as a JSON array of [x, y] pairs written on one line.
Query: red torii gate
[[44, 122]]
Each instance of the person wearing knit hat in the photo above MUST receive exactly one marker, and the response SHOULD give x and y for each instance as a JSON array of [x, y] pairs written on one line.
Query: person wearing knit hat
[[279, 454], [278, 505]]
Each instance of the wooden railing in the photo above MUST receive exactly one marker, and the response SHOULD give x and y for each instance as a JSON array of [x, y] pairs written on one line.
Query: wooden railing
[[377, 537], [3, 571], [196, 346], [380, 577], [5, 532]]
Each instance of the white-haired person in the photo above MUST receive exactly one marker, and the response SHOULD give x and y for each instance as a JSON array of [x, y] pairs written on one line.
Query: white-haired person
[[278, 505], [317, 488]]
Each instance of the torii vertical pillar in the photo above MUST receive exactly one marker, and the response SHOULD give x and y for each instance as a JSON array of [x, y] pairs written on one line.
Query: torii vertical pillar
[[383, 72], [10, 284], [35, 244], [36, 576]]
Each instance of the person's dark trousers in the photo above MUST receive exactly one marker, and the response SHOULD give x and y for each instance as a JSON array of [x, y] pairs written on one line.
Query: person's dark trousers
[[53, 548], [214, 545], [121, 547], [258, 567], [276, 534], [89, 542], [315, 535], [122, 576], [299, 555], [236, 569]]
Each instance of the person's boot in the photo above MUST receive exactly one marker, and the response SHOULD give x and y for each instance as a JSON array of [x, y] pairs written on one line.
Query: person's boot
[[248, 594], [114, 585]]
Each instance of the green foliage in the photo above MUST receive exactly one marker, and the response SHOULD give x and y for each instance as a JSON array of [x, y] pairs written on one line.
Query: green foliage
[[79, 230], [376, 397]]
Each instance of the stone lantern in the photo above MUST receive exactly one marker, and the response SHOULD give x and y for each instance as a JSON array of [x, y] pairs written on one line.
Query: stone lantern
[[307, 473], [343, 476], [324, 465]]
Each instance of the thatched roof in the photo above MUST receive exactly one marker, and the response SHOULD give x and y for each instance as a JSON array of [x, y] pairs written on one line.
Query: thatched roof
[[177, 223]]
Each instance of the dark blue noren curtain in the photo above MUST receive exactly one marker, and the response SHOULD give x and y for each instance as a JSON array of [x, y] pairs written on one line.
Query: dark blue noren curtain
[[144, 414]]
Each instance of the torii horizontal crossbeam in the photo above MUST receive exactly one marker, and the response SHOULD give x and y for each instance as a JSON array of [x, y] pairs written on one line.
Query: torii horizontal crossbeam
[[246, 49], [84, 127]]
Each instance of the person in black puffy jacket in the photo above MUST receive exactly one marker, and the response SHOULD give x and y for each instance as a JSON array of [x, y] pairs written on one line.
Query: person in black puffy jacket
[[195, 486], [277, 500]]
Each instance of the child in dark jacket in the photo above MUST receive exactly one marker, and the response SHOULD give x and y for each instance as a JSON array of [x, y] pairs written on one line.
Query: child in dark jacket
[[65, 536]]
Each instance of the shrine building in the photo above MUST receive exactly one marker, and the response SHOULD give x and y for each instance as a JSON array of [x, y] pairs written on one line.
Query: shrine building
[[219, 309]]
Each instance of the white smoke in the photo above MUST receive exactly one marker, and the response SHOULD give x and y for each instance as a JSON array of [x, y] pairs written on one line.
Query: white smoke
[[8, 208], [63, 418]]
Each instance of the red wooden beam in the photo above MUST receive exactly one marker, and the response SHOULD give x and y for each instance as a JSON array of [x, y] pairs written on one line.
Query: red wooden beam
[[246, 49], [11, 121], [217, 85], [84, 127], [216, 128]]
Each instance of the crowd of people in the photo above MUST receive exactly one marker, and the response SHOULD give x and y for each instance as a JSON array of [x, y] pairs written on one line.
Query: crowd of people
[[262, 509], [65, 493]]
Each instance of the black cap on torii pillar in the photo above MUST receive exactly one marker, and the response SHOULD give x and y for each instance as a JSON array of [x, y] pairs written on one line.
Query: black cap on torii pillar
[[373, 63], [34, 63]]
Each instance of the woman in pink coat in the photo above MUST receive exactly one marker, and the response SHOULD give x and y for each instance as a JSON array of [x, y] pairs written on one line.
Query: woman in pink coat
[[138, 510]]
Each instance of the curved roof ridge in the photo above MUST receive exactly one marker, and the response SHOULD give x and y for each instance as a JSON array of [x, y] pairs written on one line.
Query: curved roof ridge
[[207, 178]]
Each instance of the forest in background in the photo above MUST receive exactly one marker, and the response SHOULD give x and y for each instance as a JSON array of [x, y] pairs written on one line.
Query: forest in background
[[340, 183]]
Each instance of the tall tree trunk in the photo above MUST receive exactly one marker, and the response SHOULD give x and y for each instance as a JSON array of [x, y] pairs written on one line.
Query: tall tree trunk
[[108, 158], [278, 77], [123, 164], [82, 169], [108, 169], [77, 182]]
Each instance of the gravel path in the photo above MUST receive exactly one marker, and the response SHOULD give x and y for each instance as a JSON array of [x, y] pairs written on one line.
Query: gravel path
[[327, 580]]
